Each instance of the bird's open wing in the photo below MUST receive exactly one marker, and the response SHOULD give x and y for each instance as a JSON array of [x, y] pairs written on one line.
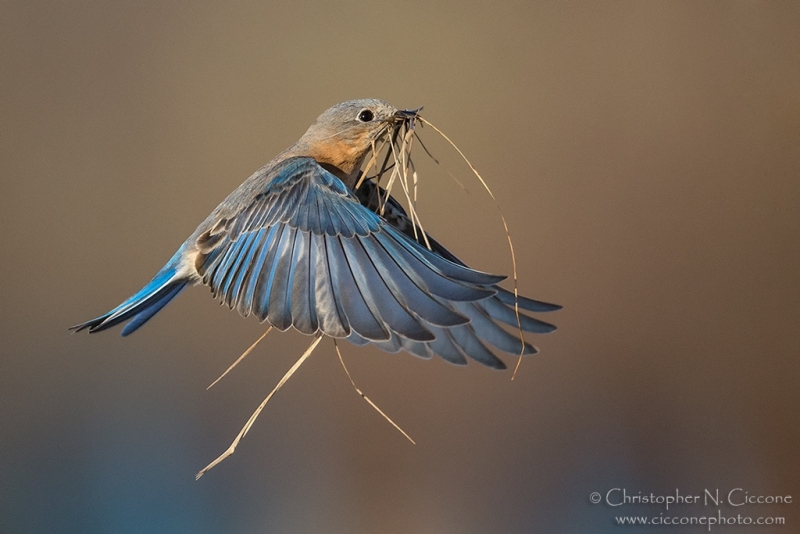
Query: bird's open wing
[[305, 253]]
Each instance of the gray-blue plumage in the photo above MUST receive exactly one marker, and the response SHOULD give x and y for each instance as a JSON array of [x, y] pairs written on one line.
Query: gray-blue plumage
[[296, 246]]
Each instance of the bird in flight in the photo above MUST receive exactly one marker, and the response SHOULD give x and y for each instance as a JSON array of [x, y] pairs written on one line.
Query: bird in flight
[[309, 242]]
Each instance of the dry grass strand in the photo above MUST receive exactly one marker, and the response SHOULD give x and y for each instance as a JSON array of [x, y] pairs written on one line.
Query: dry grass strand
[[508, 237], [363, 396], [246, 428], [245, 353]]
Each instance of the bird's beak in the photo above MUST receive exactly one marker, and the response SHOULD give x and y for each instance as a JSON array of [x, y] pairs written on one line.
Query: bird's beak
[[406, 114], [405, 117]]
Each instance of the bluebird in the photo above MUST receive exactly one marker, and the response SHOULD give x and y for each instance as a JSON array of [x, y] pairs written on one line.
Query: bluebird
[[306, 243]]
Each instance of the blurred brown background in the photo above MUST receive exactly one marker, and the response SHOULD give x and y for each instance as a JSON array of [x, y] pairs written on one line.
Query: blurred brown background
[[646, 156]]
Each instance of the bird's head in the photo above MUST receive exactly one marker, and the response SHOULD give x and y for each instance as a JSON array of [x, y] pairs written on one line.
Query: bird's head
[[343, 135]]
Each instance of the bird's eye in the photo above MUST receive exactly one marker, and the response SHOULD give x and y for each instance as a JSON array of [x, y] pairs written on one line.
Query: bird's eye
[[365, 115]]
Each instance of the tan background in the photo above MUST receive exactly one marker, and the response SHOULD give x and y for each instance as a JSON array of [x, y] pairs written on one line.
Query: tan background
[[646, 155]]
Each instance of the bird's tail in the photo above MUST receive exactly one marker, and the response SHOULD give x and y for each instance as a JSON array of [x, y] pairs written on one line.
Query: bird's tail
[[142, 306]]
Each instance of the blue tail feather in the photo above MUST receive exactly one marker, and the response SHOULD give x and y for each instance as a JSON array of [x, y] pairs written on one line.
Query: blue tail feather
[[141, 306], [143, 316]]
